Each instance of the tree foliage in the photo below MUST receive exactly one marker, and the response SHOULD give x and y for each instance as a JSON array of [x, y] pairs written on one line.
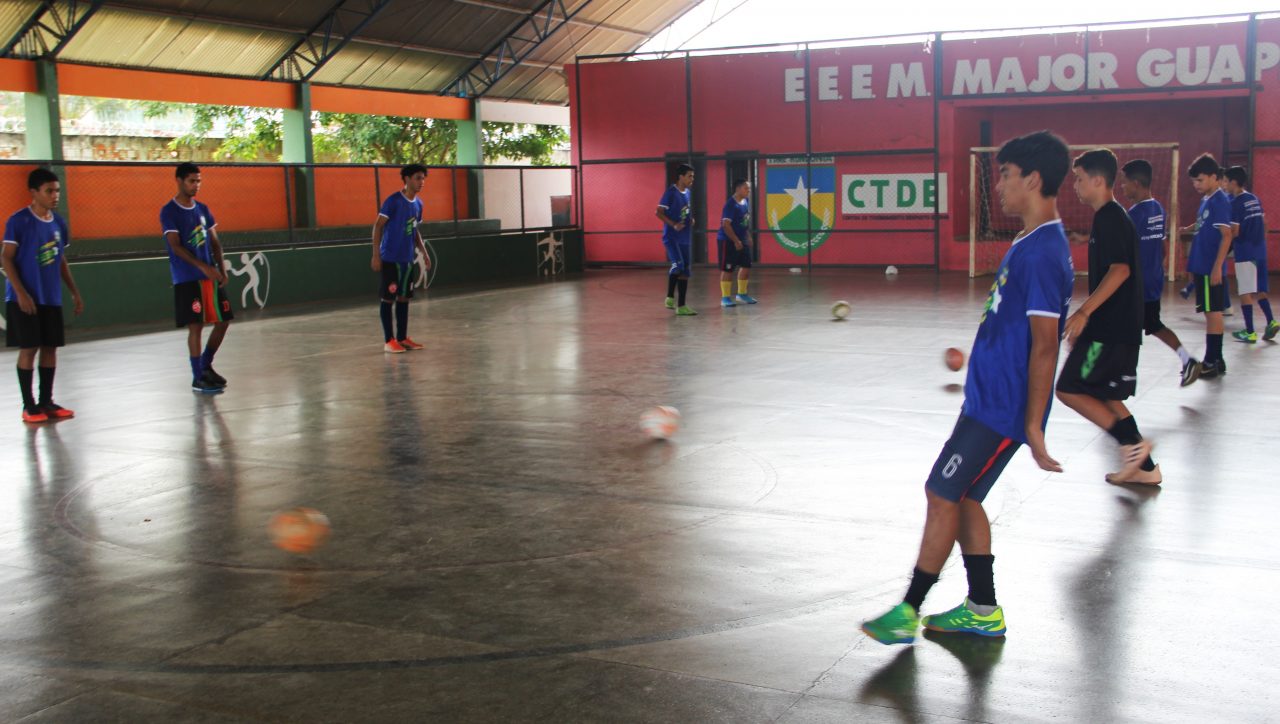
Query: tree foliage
[[256, 134]]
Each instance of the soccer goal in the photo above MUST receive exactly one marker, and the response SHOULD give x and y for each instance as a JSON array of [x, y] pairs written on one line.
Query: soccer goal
[[991, 231]]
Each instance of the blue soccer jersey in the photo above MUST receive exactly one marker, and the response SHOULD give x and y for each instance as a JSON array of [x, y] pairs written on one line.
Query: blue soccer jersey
[[675, 204], [1250, 243], [1215, 211], [738, 214], [401, 229], [41, 244], [1148, 219], [192, 224], [1035, 279]]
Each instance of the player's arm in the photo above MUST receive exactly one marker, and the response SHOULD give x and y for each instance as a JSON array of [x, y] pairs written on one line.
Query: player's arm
[[1224, 246], [422, 247], [8, 259], [64, 271], [215, 253], [661, 213], [727, 225], [378, 224], [180, 251], [1041, 365], [1111, 281]]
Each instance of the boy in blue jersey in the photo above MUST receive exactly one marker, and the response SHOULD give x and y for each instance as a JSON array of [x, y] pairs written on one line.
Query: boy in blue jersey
[[1208, 256], [1105, 333], [1250, 243], [1149, 219], [396, 237], [677, 238], [1007, 395], [195, 266], [35, 262], [735, 251]]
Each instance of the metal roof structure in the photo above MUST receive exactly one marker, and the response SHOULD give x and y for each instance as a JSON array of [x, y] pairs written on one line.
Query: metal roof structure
[[501, 49]]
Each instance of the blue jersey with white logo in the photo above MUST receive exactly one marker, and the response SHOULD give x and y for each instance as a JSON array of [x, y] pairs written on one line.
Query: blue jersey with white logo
[[739, 217], [1035, 279], [675, 204], [41, 245], [1148, 219], [1251, 243], [401, 230], [1215, 211], [192, 224]]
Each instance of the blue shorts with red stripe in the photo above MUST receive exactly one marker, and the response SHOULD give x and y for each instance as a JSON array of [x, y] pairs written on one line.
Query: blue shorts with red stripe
[[970, 462]]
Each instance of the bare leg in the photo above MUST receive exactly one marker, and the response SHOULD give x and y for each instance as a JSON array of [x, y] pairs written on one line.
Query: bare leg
[[941, 524]]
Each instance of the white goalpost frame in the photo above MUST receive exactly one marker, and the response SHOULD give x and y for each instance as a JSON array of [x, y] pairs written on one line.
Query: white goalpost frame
[[1171, 209]]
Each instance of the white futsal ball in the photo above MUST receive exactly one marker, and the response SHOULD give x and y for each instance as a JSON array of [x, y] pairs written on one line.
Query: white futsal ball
[[840, 309], [890, 270], [660, 422]]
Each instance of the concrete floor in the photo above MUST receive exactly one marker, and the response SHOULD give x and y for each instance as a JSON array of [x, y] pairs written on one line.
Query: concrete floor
[[507, 547]]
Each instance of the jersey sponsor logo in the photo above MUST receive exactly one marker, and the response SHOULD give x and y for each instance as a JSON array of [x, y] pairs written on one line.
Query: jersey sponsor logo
[[48, 253], [994, 297], [801, 202]]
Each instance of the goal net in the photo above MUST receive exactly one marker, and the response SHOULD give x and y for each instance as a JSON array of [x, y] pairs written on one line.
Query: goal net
[[991, 231]]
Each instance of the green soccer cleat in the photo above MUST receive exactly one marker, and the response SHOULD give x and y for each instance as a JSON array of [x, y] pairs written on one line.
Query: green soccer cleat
[[897, 626], [1244, 335], [1273, 328], [963, 619], [670, 303], [685, 311]]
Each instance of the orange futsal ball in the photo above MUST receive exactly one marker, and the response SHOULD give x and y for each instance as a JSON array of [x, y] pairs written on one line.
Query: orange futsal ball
[[299, 530], [954, 359]]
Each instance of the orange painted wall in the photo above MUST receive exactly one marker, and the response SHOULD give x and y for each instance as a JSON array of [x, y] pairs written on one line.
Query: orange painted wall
[[388, 103], [109, 201], [144, 85], [18, 76]]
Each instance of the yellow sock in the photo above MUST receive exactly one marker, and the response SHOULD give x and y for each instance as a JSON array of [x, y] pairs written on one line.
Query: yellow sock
[[726, 289], [742, 286]]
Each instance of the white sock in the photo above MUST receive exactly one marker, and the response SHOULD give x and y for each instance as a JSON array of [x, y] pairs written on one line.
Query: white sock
[[980, 609], [1184, 355]]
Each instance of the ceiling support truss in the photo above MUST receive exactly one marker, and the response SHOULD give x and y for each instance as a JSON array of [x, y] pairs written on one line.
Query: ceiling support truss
[[53, 24], [325, 39], [509, 52]]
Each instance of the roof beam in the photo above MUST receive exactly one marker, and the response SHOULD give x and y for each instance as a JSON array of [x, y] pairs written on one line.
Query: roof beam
[[50, 28], [501, 7], [512, 49], [325, 39]]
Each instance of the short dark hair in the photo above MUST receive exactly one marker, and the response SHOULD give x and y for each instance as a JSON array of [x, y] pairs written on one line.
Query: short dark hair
[[1237, 174], [39, 177], [1139, 172], [739, 183], [411, 169], [683, 169], [1098, 162], [1204, 165], [185, 169], [1042, 151]]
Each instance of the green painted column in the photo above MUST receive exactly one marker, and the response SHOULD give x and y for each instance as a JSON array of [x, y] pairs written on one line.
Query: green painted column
[[43, 115], [298, 148], [471, 153]]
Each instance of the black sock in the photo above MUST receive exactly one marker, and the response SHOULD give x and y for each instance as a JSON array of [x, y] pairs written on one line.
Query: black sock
[[24, 384], [385, 311], [46, 384], [921, 582], [1125, 431], [1212, 347], [402, 320], [982, 581], [682, 286], [671, 285]]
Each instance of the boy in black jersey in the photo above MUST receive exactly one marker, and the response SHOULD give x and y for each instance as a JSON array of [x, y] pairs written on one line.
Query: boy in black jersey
[[1105, 333]]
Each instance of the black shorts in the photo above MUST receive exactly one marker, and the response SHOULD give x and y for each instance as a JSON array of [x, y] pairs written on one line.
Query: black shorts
[[1151, 318], [1209, 297], [1104, 371], [200, 302], [731, 258], [397, 281], [970, 462], [42, 329]]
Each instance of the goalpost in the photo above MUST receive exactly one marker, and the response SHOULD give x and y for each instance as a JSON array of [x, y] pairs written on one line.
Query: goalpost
[[991, 231]]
